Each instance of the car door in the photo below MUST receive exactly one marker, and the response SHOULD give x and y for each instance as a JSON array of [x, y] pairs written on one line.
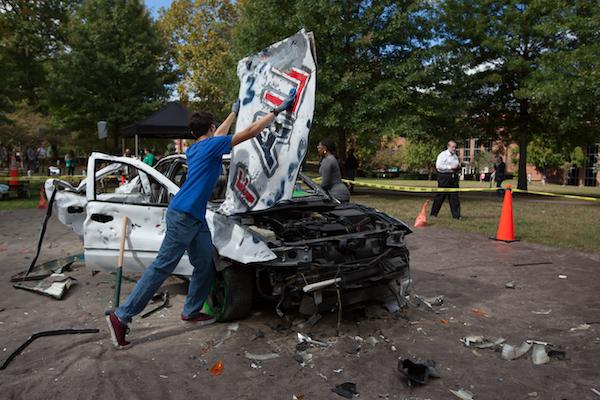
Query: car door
[[144, 204]]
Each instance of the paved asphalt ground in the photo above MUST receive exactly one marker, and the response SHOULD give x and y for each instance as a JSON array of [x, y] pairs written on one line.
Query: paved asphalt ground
[[170, 359]]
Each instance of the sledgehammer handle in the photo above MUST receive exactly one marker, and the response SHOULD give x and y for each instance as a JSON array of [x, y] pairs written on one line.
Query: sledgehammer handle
[[119, 273]]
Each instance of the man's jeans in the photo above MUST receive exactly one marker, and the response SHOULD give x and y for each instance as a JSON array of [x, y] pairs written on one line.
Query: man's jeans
[[184, 232]]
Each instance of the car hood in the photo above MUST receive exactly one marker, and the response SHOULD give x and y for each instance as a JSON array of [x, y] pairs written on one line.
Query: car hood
[[263, 170]]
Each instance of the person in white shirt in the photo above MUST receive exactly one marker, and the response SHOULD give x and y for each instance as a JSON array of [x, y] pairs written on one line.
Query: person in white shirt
[[447, 166]]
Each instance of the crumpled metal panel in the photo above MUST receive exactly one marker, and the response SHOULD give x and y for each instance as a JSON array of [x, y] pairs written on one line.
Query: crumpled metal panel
[[234, 241], [263, 170]]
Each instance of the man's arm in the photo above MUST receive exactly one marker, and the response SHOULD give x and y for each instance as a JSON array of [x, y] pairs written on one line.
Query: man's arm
[[254, 129], [257, 126], [223, 129]]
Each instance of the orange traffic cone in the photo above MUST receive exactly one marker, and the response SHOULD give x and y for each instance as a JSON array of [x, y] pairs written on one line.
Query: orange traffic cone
[[506, 230], [42, 204], [421, 220]]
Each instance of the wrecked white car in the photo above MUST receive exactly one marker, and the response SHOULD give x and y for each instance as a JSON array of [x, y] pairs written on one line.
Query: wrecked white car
[[297, 253], [275, 232]]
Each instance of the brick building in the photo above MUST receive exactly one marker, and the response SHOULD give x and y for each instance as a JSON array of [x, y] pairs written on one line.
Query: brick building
[[588, 175]]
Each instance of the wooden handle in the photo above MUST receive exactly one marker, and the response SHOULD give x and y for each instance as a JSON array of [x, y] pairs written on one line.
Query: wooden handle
[[122, 244]]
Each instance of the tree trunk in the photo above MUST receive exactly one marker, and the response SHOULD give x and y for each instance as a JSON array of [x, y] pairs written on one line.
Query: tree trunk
[[523, 142]]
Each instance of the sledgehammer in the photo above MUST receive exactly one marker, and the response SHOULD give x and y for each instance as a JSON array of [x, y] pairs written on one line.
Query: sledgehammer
[[119, 272]]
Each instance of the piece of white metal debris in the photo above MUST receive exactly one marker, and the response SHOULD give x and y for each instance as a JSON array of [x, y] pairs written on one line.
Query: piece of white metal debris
[[596, 392], [581, 327], [372, 341], [562, 277], [510, 285], [542, 312], [462, 394], [260, 357], [233, 327], [308, 339], [512, 352], [539, 355], [482, 342]]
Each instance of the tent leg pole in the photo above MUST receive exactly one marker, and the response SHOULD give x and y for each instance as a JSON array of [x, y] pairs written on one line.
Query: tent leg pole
[[122, 146], [136, 147]]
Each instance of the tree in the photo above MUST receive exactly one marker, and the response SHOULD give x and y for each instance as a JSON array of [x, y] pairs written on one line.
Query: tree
[[367, 68], [31, 33], [544, 156], [200, 32], [420, 155], [493, 59], [115, 68]]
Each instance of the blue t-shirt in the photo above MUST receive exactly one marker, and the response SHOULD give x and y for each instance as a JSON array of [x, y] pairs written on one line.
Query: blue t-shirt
[[204, 161]]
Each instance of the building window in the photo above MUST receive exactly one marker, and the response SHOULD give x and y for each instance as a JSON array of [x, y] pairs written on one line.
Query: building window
[[467, 153], [488, 145], [591, 158], [476, 148]]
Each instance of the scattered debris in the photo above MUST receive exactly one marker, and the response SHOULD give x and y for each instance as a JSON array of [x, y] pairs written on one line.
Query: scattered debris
[[338, 371], [372, 341], [532, 263], [539, 355], [596, 392], [562, 277], [512, 352], [444, 321], [581, 327], [392, 307], [217, 368], [260, 357], [54, 286], [322, 376], [557, 354], [510, 285], [482, 342], [164, 304], [298, 396], [346, 389], [44, 334], [46, 269], [532, 394], [233, 327], [542, 312], [429, 302], [462, 394], [416, 372], [478, 312], [305, 338], [303, 357]]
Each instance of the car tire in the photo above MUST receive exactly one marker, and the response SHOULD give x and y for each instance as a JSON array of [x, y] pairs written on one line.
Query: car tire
[[232, 294]]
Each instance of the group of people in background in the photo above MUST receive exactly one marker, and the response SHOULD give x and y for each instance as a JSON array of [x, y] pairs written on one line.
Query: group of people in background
[[42, 159]]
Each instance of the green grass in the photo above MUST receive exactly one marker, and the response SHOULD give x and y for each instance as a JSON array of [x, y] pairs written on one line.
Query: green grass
[[564, 224]]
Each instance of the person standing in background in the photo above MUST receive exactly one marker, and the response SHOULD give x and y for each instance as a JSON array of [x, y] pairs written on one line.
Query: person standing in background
[[331, 177], [70, 162], [447, 166], [500, 172], [351, 168], [148, 157]]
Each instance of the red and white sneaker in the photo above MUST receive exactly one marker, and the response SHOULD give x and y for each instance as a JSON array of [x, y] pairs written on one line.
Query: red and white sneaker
[[118, 330], [201, 319]]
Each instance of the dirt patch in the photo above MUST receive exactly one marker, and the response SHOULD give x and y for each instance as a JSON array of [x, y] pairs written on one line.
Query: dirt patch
[[170, 359]]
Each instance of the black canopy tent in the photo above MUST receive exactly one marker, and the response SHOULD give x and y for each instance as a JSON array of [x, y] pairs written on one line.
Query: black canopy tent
[[170, 122]]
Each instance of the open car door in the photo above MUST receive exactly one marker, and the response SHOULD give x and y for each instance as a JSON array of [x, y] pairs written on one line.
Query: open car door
[[144, 204]]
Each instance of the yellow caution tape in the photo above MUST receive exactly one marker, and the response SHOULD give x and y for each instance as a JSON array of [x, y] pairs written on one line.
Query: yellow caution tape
[[423, 189], [418, 189], [41, 178], [568, 196]]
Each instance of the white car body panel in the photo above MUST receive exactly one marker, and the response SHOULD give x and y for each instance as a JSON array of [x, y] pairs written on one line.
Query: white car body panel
[[147, 225]]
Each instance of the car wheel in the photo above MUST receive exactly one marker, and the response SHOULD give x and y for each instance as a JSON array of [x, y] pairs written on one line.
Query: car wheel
[[232, 293]]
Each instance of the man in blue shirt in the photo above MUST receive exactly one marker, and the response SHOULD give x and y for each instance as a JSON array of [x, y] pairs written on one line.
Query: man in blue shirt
[[186, 223]]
